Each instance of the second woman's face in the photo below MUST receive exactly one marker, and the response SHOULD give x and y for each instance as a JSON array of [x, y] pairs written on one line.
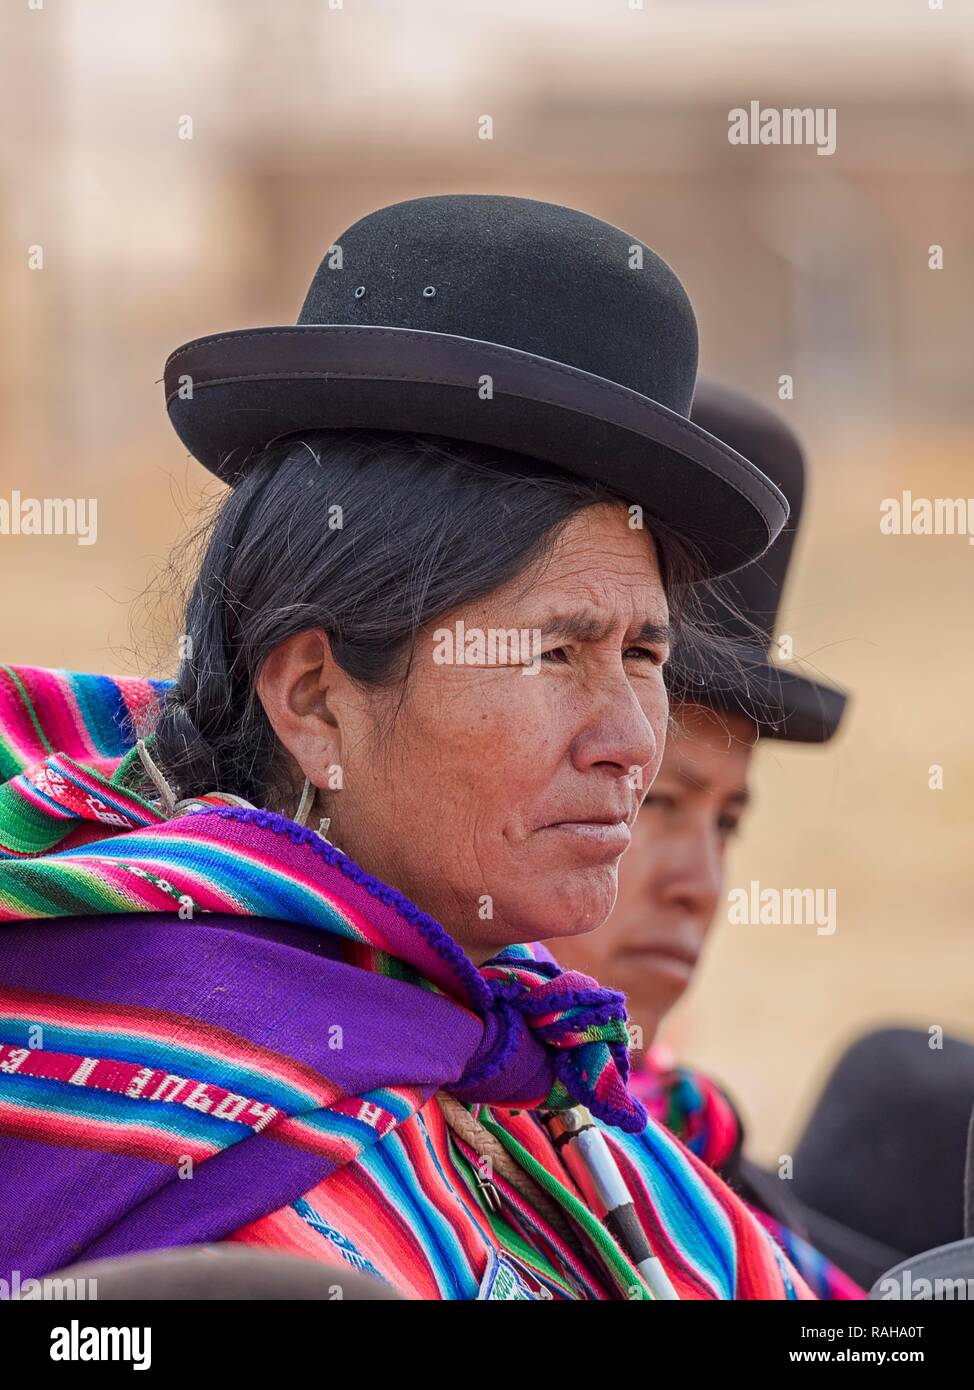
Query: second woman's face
[[671, 881], [505, 797]]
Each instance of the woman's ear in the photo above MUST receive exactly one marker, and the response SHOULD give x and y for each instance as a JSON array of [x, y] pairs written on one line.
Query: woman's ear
[[294, 685]]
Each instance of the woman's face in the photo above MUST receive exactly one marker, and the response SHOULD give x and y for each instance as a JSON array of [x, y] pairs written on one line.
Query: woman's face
[[503, 798], [671, 878]]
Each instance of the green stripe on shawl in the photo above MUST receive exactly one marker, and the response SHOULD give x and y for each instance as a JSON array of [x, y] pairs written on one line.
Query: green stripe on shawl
[[627, 1279], [32, 889], [28, 829], [508, 1237]]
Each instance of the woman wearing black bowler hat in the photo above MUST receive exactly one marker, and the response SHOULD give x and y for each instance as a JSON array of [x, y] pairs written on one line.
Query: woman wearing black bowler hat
[[293, 921]]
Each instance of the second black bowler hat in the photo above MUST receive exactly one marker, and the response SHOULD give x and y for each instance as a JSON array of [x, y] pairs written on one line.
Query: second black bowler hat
[[505, 321], [740, 677]]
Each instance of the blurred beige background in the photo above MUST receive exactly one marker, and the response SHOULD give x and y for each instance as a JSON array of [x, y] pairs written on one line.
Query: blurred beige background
[[306, 116]]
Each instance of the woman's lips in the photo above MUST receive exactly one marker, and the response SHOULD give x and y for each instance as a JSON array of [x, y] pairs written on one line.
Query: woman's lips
[[600, 838], [677, 961]]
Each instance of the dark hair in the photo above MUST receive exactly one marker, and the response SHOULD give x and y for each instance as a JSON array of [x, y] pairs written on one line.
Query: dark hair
[[423, 525]]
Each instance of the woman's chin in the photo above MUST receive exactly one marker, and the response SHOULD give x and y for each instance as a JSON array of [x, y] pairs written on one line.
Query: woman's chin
[[571, 905]]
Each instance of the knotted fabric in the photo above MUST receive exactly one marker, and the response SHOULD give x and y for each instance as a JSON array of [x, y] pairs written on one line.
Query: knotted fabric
[[581, 1027]]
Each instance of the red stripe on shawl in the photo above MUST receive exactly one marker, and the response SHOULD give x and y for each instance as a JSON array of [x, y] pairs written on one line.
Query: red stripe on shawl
[[72, 1132], [531, 1135], [284, 1230], [56, 710], [18, 725], [160, 1025], [457, 1206], [355, 1206], [141, 698]]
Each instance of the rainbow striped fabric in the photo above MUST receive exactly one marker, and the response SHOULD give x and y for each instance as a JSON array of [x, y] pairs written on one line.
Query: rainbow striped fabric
[[218, 1027], [694, 1108], [408, 1212]]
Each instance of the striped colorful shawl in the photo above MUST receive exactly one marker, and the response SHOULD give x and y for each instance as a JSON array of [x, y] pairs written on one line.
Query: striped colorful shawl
[[694, 1108], [215, 1026]]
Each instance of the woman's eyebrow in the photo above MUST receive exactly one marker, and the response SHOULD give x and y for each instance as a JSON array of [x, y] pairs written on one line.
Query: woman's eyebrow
[[700, 782], [652, 631], [587, 628]]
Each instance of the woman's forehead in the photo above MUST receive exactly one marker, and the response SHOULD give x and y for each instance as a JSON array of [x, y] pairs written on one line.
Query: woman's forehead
[[597, 569], [706, 747]]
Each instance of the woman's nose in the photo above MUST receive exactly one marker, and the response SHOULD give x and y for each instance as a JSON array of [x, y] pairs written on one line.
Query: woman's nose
[[624, 731], [695, 877]]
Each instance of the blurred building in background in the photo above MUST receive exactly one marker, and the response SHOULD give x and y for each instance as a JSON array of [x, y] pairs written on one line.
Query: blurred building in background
[[181, 169]]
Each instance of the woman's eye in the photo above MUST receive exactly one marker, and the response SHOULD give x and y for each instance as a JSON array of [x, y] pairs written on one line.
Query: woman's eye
[[729, 825], [645, 654], [659, 801], [651, 654]]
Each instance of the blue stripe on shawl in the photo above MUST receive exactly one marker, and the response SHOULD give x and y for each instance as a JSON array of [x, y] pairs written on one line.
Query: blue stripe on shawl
[[104, 711], [142, 1050], [273, 893], [390, 1168], [86, 1103], [694, 1221]]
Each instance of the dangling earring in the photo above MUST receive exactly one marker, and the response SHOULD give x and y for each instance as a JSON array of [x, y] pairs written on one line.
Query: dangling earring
[[300, 816], [166, 793]]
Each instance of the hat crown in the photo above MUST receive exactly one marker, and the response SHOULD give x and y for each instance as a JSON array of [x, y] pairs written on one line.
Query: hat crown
[[782, 701], [534, 276], [755, 592], [493, 321]]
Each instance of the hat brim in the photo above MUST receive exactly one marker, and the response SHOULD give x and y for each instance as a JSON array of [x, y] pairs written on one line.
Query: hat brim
[[784, 704], [231, 394]]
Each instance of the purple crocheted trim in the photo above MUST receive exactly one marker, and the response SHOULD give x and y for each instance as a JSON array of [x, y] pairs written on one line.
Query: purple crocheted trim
[[432, 931], [516, 1000]]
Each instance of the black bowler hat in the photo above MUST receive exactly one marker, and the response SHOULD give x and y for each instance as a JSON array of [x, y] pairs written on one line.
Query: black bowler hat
[[742, 679], [505, 321], [885, 1167], [880, 1168]]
